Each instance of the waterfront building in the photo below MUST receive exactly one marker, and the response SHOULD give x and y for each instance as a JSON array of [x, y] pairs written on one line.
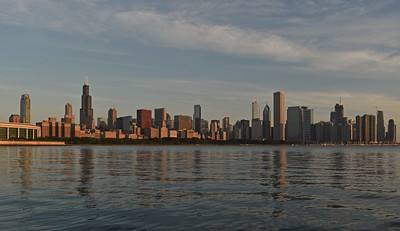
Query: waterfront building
[[294, 124], [380, 127], [279, 116], [86, 112], [346, 131], [197, 118], [101, 123], [255, 110], [204, 126], [358, 130], [368, 124], [19, 131], [323, 132], [160, 115], [266, 123], [391, 134], [25, 109], [225, 124], [108, 135], [256, 129], [337, 116], [14, 118], [172, 134], [151, 133], [238, 130], [214, 126], [308, 121], [337, 119], [163, 132], [112, 119], [182, 122], [125, 124], [68, 117], [143, 117], [226, 127], [245, 129]]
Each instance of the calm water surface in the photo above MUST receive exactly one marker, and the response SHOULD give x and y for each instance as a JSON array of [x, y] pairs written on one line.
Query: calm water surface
[[199, 188]]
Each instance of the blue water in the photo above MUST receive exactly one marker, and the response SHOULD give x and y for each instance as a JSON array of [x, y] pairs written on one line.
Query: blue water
[[199, 188]]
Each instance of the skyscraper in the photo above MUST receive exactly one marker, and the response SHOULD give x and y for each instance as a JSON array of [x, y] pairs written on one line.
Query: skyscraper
[[391, 134], [294, 124], [368, 124], [267, 122], [380, 127], [255, 111], [86, 115], [337, 117], [308, 121], [143, 117], [160, 115], [68, 117], [182, 122], [225, 124], [279, 116], [197, 118], [25, 109], [112, 118]]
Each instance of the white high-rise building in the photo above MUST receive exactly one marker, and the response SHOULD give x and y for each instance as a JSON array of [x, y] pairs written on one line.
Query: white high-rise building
[[255, 110]]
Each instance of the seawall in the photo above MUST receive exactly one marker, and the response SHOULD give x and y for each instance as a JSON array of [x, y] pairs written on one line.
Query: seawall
[[31, 143]]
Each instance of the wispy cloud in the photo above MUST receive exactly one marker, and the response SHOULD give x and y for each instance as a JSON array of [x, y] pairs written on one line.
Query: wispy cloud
[[332, 35]]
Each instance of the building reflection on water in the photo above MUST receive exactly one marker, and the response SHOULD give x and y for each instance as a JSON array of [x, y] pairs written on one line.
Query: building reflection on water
[[24, 163], [279, 181], [85, 181]]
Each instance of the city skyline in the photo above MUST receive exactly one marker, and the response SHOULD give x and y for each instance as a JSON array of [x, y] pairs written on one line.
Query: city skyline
[[299, 126], [278, 97], [154, 55]]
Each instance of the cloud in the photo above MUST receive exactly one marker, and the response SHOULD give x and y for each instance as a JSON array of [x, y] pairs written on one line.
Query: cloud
[[312, 35], [175, 31]]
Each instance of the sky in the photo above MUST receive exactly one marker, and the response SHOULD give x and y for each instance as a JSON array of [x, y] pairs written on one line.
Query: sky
[[221, 54]]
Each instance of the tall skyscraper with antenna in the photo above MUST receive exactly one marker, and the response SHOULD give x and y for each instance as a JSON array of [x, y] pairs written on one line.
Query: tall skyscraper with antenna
[[86, 116]]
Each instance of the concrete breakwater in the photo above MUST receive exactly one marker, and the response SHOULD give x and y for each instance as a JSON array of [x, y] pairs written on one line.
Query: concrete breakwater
[[31, 143]]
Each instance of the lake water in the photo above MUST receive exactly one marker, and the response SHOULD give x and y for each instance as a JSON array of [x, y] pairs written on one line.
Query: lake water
[[199, 188]]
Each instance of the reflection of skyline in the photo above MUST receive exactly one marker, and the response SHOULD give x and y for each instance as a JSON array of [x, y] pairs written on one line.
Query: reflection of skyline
[[279, 169], [85, 181], [279, 181], [24, 163]]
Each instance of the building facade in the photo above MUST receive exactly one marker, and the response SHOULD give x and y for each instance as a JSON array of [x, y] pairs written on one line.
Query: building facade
[[380, 127], [197, 118], [279, 116], [19, 131], [160, 117], [143, 117], [112, 119], [25, 109], [294, 124], [86, 112]]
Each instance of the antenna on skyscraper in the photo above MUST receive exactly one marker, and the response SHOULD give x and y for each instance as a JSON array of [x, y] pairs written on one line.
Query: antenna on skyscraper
[[340, 100], [86, 80]]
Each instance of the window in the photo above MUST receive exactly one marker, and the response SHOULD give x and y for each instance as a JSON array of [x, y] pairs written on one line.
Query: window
[[30, 134], [3, 133], [13, 133], [22, 133]]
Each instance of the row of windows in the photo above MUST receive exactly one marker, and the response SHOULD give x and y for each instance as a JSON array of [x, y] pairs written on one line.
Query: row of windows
[[13, 133], [3, 133]]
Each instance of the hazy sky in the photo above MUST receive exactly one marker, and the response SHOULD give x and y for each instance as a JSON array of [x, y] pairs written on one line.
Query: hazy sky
[[220, 54]]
